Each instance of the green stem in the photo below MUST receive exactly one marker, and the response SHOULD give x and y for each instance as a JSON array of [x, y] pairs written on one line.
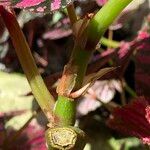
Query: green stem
[[109, 43], [80, 58], [65, 109], [130, 90], [39, 90], [104, 18], [82, 53], [95, 30]]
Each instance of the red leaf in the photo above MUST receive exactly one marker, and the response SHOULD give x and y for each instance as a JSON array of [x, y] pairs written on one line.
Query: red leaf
[[148, 113], [133, 120], [142, 73]]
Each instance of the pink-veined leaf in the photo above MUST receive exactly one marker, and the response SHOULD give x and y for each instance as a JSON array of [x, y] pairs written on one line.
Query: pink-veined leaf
[[57, 34], [133, 119], [100, 92], [37, 5], [142, 73]]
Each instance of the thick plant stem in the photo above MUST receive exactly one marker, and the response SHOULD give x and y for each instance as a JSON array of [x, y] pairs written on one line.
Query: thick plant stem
[[39, 90], [84, 48], [104, 18], [65, 109], [95, 30], [80, 59]]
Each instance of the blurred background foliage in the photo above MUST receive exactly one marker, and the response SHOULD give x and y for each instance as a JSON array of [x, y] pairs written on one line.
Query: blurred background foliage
[[50, 38]]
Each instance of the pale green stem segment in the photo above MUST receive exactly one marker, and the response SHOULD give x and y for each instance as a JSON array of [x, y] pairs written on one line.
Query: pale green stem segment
[[81, 55], [65, 109], [109, 43], [39, 90]]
